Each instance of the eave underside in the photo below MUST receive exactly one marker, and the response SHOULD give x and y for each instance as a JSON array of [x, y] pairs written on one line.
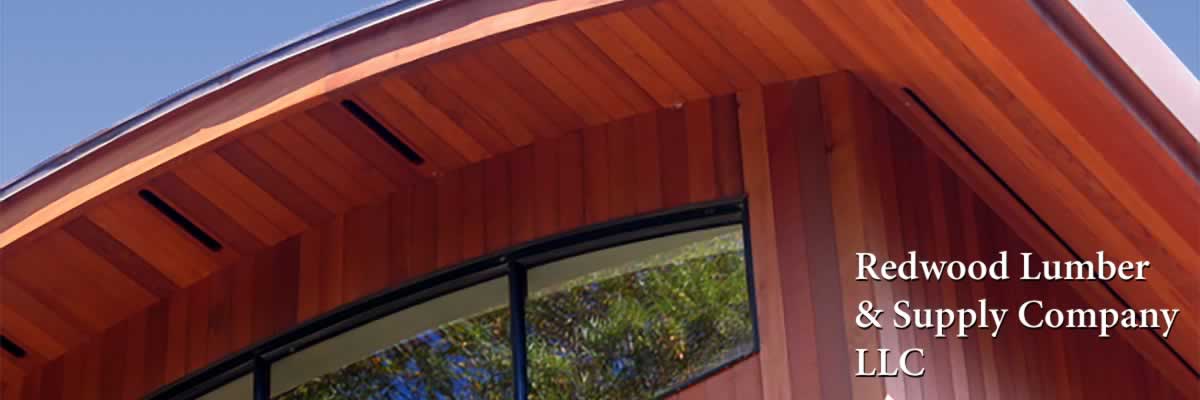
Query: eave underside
[[1042, 139]]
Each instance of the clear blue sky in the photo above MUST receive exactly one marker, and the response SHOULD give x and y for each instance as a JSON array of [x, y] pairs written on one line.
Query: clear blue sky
[[71, 68]]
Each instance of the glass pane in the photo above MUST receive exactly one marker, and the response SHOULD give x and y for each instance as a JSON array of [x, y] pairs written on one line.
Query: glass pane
[[453, 347], [239, 389], [636, 320]]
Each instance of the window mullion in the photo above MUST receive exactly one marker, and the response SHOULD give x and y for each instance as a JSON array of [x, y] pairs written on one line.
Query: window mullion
[[262, 379], [517, 291]]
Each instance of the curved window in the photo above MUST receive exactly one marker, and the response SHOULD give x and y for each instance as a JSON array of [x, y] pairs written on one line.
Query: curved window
[[455, 346], [638, 320], [631, 309]]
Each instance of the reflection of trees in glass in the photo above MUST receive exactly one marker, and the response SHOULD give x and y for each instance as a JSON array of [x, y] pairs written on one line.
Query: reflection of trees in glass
[[640, 329], [627, 332], [466, 359]]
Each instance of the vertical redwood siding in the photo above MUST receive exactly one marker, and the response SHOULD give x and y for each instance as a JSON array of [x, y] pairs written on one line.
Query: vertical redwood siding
[[555, 185], [828, 172]]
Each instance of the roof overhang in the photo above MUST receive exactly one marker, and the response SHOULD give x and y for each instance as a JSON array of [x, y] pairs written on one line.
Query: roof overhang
[[1074, 117]]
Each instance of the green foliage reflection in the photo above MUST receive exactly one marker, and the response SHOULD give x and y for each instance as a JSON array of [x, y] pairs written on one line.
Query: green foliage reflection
[[621, 333]]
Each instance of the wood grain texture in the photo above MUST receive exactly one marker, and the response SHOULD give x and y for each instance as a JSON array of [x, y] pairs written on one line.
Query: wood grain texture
[[828, 171], [293, 87], [579, 112], [305, 160], [390, 241], [1053, 147], [843, 175]]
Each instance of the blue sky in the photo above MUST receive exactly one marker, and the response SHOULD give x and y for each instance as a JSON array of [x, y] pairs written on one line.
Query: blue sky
[[69, 69]]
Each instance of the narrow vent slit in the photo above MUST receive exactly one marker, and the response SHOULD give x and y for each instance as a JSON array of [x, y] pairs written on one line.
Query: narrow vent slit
[[1029, 209], [382, 132], [12, 347], [180, 220]]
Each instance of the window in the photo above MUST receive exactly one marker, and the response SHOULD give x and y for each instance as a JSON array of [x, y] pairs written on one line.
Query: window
[[452, 347], [631, 309], [638, 320]]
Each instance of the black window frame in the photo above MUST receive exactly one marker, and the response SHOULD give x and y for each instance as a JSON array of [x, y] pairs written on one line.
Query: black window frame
[[513, 262]]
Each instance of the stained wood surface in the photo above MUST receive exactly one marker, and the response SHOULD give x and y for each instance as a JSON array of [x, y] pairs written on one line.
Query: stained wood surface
[[272, 179], [545, 101], [1033, 111], [424, 225], [821, 186], [830, 172]]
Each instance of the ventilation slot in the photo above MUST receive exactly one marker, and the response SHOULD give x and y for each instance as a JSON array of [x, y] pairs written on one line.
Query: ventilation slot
[[382, 132], [183, 222], [941, 123], [975, 156], [11, 347], [1028, 209]]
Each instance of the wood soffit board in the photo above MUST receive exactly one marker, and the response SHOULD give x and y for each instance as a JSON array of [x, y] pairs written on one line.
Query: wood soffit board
[[268, 158]]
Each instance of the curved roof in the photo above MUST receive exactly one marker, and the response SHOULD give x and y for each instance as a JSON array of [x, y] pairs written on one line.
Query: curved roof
[[1125, 52], [1090, 140]]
